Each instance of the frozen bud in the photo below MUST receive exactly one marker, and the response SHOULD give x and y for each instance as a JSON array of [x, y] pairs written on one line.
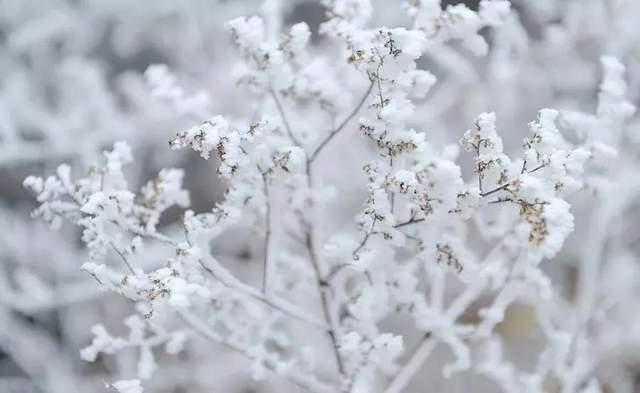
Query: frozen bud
[[290, 159], [403, 181], [494, 12], [296, 40], [248, 33], [202, 138]]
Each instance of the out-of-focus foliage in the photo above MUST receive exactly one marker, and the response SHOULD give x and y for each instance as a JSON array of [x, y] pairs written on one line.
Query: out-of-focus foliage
[[373, 196]]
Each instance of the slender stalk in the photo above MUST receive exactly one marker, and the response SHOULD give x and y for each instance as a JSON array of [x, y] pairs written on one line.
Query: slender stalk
[[283, 116], [393, 194], [409, 222], [497, 189], [479, 167], [537, 168], [273, 302], [267, 235], [505, 186], [341, 126], [365, 239], [324, 299], [321, 281], [123, 257], [276, 303], [400, 382]]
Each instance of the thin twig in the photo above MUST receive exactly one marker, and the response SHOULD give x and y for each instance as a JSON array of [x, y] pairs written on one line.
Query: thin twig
[[402, 379], [267, 235], [497, 189], [537, 168], [410, 222], [365, 239], [505, 186], [321, 282], [274, 302], [123, 257], [341, 126], [334, 272], [283, 116], [326, 312], [479, 166], [393, 194]]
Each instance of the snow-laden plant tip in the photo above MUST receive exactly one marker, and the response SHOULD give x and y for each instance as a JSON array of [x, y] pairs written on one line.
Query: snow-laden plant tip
[[362, 269]]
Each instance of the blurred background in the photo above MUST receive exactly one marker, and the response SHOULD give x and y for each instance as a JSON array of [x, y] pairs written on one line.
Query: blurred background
[[72, 82]]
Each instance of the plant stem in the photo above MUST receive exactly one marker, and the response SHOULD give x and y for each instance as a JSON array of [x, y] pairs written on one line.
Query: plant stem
[[267, 235], [341, 126]]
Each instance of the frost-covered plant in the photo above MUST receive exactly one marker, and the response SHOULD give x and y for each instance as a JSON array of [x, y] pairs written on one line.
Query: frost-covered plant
[[371, 240]]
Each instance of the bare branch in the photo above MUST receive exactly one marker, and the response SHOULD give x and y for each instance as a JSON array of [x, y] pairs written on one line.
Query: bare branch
[[283, 116], [322, 289], [123, 257], [411, 221], [267, 235], [341, 126], [321, 282], [274, 302], [406, 374], [503, 187]]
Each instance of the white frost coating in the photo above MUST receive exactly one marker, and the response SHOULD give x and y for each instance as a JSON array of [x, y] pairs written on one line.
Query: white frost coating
[[348, 235]]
